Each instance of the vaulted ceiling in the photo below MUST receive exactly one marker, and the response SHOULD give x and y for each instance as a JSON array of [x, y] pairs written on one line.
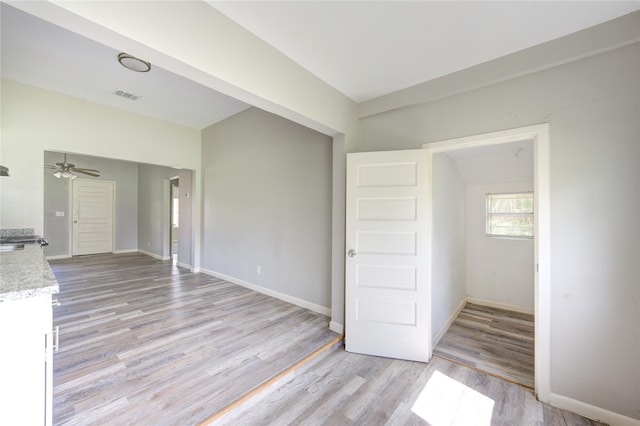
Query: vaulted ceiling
[[365, 49]]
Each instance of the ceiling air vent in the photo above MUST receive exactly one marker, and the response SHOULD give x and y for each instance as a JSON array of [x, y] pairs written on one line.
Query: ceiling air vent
[[126, 95]]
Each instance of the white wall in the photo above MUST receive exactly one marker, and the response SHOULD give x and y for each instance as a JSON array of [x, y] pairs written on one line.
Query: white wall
[[448, 244], [267, 194], [593, 108], [35, 120], [498, 269]]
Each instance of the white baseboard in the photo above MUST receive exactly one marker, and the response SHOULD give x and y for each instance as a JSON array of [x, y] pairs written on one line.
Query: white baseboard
[[337, 327], [436, 338], [500, 305], [185, 265], [59, 256], [125, 251], [155, 256], [66, 256], [592, 412], [269, 292]]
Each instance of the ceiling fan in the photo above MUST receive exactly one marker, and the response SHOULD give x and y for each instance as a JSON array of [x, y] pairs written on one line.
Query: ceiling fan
[[68, 170]]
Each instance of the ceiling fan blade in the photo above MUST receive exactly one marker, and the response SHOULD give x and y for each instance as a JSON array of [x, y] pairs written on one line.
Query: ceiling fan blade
[[86, 170], [49, 166], [89, 172]]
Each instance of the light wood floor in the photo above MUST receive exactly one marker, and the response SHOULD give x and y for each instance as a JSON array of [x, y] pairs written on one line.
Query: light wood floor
[[144, 342], [493, 340], [344, 388]]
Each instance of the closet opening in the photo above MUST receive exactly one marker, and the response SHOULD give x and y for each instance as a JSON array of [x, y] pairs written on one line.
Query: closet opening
[[490, 292]]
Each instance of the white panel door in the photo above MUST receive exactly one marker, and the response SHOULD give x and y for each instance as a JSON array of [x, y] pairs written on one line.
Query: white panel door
[[92, 216], [387, 261]]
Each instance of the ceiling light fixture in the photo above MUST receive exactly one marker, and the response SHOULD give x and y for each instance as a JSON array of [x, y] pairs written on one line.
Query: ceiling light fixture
[[65, 174], [133, 63]]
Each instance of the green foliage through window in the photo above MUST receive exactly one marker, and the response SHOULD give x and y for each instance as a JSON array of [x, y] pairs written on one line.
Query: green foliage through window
[[510, 215]]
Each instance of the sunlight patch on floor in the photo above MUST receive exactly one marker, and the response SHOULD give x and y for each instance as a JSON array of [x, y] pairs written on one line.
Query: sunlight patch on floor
[[445, 402]]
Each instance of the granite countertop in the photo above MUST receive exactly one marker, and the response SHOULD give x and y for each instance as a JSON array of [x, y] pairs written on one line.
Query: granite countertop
[[25, 273], [16, 232]]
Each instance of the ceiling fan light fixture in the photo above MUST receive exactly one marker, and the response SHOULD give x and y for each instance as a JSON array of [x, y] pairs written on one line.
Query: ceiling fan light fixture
[[133, 63], [65, 174], [69, 170]]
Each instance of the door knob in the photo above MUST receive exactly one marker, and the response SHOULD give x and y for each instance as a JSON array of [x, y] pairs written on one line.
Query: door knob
[[351, 253]]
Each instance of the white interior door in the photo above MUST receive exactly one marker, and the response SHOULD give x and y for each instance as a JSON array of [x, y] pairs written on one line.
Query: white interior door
[[387, 265], [92, 216]]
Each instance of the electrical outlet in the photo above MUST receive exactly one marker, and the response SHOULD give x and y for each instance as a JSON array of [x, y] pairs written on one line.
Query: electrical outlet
[[258, 269], [59, 214]]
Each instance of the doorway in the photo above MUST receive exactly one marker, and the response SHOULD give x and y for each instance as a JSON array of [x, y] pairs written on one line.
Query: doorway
[[174, 218], [392, 176], [483, 259], [539, 134]]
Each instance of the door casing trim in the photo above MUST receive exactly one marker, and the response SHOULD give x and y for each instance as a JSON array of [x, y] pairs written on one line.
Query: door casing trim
[[540, 135]]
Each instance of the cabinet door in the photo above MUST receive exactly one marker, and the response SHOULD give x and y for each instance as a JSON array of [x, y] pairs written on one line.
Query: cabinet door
[[24, 324]]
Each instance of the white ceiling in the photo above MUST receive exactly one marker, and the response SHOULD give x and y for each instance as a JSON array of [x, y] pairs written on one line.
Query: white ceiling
[[501, 163], [364, 49], [367, 49], [38, 53]]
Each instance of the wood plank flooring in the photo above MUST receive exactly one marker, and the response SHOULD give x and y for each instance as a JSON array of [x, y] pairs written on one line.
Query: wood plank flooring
[[145, 342], [493, 340], [344, 388]]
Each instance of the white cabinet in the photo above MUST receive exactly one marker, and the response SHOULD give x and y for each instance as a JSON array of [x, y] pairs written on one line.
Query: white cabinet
[[26, 363]]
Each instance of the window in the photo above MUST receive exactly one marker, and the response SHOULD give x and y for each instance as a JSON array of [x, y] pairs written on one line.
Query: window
[[510, 215]]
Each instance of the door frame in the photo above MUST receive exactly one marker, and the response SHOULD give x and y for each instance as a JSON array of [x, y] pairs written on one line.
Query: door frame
[[542, 281], [169, 225]]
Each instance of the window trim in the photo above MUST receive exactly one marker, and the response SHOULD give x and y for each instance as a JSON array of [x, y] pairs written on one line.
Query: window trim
[[488, 215]]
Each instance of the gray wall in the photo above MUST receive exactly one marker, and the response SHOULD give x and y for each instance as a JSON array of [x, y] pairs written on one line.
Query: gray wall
[[153, 207], [142, 205], [267, 202], [593, 107], [57, 196], [448, 267]]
